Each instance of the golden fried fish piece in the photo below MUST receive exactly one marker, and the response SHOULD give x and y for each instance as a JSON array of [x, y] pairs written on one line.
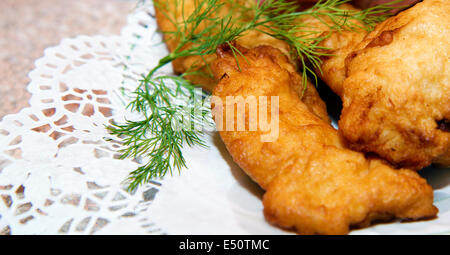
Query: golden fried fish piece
[[338, 43], [313, 183], [394, 83], [169, 12]]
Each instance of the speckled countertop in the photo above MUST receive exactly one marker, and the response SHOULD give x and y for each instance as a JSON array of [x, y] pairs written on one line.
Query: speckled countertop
[[27, 27]]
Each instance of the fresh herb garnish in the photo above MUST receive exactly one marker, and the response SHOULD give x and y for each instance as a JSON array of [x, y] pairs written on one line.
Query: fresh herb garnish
[[155, 137]]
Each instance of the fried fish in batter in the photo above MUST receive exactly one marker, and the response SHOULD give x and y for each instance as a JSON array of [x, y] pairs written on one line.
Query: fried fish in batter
[[313, 183], [394, 83], [172, 12]]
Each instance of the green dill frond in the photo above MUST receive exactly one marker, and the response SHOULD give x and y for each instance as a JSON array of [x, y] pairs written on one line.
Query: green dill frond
[[159, 137]]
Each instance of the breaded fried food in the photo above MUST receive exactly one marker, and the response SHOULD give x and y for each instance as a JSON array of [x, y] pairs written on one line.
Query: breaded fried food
[[395, 86], [172, 12], [338, 45], [313, 183]]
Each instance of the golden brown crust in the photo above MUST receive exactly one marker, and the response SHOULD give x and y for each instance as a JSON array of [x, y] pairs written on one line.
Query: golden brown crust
[[394, 85], [340, 188], [276, 155], [397, 87], [172, 10], [168, 13], [313, 183], [339, 45], [333, 67]]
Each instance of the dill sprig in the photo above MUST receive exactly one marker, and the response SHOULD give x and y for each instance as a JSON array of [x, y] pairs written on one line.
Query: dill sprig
[[305, 41], [162, 100], [172, 109]]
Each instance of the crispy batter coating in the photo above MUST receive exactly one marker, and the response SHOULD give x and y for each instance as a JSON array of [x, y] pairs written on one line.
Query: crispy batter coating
[[333, 66], [172, 11], [338, 44], [169, 12], [395, 86], [313, 183]]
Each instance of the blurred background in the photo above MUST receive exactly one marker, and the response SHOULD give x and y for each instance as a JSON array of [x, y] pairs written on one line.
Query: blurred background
[[27, 27]]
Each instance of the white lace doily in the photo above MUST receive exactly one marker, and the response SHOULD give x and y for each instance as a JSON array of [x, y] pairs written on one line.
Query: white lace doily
[[60, 172]]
